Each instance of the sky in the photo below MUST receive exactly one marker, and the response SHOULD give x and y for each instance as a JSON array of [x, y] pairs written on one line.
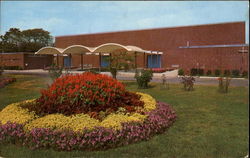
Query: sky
[[83, 17]]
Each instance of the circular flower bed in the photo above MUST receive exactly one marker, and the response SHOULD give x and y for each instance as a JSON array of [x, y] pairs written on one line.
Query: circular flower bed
[[115, 117]]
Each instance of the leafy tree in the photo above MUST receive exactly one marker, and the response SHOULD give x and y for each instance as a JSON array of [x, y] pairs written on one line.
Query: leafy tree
[[29, 40], [120, 61]]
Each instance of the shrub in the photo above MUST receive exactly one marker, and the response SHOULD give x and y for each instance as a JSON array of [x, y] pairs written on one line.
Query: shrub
[[235, 73], [188, 82], [227, 73], [55, 72], [12, 68], [181, 72], [245, 74], [200, 72], [209, 72], [143, 78], [224, 84], [217, 72], [85, 93], [193, 72]]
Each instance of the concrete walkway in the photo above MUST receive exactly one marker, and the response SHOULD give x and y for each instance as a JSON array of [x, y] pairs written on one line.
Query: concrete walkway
[[172, 77]]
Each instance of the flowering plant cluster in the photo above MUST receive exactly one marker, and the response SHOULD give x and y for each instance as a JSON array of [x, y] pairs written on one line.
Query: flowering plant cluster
[[158, 121], [159, 70], [6, 81], [84, 112], [85, 93], [17, 114]]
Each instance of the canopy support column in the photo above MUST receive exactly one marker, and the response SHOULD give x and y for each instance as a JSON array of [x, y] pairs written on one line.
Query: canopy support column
[[57, 60], [100, 62], [135, 61], [144, 60], [157, 58], [109, 60], [70, 59], [82, 62]]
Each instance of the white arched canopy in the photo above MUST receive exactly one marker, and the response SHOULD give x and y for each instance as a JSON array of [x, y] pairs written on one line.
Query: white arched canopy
[[77, 49], [49, 50], [110, 48], [107, 48]]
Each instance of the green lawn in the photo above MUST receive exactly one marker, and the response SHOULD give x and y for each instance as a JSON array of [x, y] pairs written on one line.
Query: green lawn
[[209, 124]]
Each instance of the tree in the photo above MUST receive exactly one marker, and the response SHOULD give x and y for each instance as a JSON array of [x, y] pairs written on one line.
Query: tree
[[30, 40], [120, 61]]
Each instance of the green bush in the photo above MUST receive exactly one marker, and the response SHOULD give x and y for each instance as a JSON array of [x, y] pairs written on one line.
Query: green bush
[[200, 72], [143, 78], [227, 73], [209, 73], [12, 68], [193, 72], [235, 73], [217, 72], [196, 72], [245, 74], [181, 72]]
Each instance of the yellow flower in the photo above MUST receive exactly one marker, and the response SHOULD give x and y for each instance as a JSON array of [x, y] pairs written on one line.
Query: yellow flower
[[149, 102], [114, 120], [16, 114], [62, 122]]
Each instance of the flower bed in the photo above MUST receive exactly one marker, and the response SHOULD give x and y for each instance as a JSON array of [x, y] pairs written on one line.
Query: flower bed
[[136, 117], [6, 81], [158, 121]]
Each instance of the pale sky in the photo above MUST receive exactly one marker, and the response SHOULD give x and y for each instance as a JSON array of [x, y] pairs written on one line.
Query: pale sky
[[81, 17]]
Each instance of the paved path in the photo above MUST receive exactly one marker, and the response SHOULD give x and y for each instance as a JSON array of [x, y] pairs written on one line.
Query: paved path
[[172, 77]]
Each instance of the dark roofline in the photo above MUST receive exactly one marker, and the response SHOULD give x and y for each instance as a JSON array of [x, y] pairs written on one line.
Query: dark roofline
[[159, 28]]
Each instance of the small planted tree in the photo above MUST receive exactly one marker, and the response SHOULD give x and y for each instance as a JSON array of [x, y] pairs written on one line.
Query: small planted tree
[[120, 61], [188, 82], [55, 72], [224, 83]]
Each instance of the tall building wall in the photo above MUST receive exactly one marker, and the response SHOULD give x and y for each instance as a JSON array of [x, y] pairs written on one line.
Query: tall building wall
[[169, 41]]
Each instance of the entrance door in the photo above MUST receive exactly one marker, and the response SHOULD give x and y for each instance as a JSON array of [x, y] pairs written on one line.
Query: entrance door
[[105, 61], [67, 61], [154, 61]]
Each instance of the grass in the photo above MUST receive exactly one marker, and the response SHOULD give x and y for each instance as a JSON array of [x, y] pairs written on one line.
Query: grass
[[209, 124]]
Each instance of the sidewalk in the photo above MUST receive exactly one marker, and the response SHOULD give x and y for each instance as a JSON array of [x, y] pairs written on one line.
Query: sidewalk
[[172, 77]]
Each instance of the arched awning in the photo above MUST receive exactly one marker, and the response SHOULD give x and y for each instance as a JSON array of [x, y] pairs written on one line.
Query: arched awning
[[77, 49], [49, 50], [110, 48]]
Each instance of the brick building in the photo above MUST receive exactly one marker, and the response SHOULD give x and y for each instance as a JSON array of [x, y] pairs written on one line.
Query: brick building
[[209, 47], [22, 60]]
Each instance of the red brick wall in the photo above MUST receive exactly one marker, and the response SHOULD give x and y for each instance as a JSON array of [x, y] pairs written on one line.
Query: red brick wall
[[164, 38], [207, 58], [21, 59], [37, 61], [10, 59], [168, 41]]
